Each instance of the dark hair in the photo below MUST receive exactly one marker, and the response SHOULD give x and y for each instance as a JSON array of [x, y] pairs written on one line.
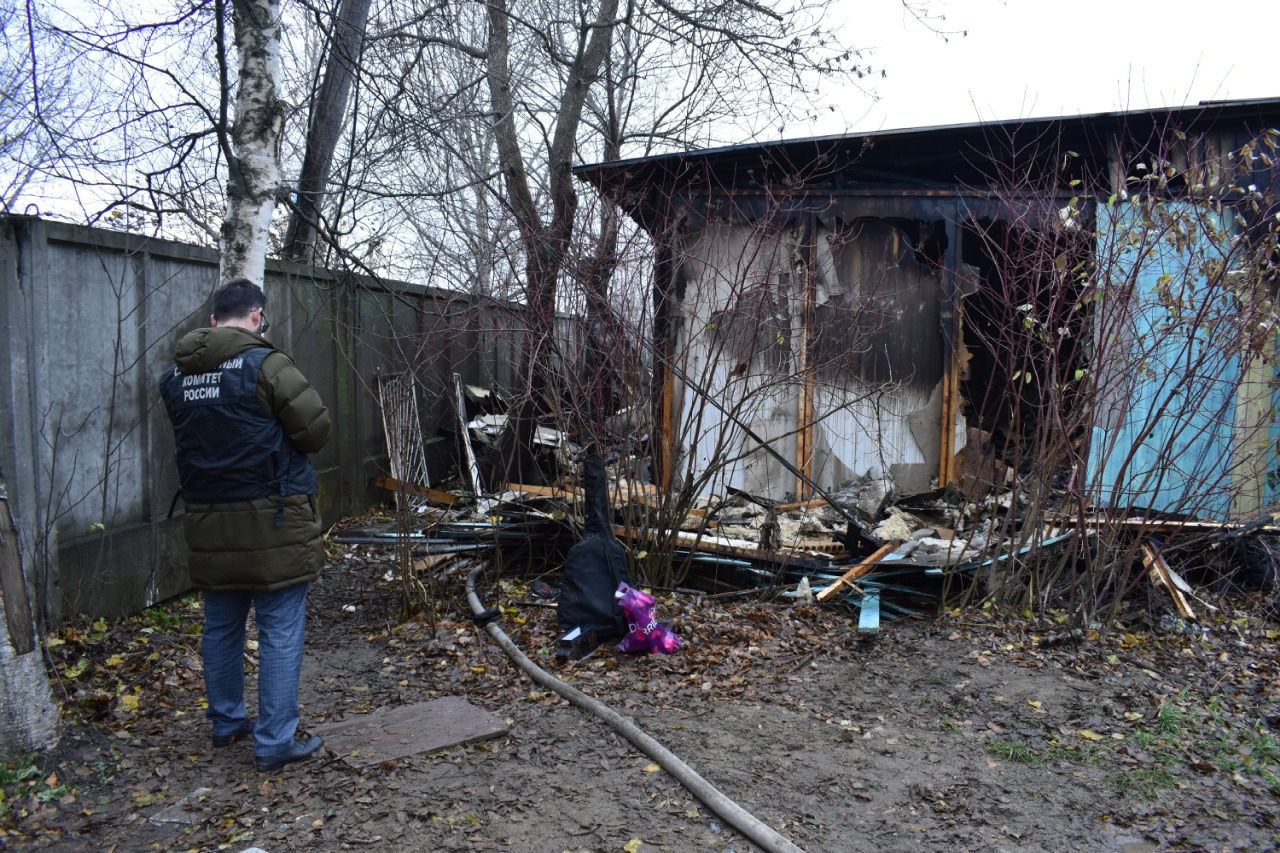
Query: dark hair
[[236, 298]]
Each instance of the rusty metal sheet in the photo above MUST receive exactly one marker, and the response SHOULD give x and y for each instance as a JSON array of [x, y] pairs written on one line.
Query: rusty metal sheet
[[410, 730]]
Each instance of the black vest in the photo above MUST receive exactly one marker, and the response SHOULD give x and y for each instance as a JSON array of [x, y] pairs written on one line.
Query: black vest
[[228, 448]]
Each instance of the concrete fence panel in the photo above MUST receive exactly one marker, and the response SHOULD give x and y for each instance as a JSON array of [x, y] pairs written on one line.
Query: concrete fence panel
[[88, 321]]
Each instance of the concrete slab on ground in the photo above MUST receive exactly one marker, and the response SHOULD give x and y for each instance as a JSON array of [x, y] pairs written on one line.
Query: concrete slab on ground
[[409, 730]]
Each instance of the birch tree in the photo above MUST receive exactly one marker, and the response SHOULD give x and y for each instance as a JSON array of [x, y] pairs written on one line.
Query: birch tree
[[251, 148], [28, 715], [33, 105]]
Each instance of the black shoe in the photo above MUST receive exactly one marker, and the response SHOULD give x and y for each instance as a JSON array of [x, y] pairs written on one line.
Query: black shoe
[[245, 728], [296, 751]]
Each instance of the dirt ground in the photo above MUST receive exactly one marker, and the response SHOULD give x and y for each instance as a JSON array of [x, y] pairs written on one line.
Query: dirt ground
[[960, 733]]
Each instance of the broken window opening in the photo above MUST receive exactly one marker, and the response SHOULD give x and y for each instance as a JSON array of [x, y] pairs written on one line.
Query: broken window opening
[[1026, 331]]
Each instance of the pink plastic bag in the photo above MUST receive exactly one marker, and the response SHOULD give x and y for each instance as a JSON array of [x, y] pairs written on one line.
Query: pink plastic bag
[[647, 635]]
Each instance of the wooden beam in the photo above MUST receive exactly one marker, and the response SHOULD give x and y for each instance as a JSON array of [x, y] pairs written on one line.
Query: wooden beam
[[794, 505], [727, 547], [391, 484], [645, 495], [665, 457], [859, 570], [951, 399], [1160, 573], [804, 433], [544, 491]]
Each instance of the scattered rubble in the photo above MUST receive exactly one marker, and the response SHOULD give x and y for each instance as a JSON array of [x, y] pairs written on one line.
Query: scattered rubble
[[862, 545]]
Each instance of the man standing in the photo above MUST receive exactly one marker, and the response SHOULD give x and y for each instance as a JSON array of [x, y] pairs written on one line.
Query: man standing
[[244, 419]]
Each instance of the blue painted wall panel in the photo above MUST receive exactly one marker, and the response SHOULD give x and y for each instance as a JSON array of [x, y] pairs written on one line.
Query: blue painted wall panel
[[1164, 434]]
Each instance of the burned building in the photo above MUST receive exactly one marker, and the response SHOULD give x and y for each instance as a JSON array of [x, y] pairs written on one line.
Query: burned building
[[858, 303]]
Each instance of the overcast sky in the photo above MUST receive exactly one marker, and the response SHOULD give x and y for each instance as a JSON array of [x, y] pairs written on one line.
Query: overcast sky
[[1024, 58]]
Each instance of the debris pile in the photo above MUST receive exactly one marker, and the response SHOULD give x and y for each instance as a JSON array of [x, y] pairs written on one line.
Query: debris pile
[[862, 546]]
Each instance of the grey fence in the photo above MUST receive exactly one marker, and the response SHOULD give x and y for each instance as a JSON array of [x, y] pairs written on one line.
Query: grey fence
[[88, 321]]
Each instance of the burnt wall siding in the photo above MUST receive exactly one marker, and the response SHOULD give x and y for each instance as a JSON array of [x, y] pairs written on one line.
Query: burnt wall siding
[[827, 344], [878, 308], [860, 377]]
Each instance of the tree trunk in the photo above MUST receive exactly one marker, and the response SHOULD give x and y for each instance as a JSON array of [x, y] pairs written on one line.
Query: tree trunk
[[254, 159], [28, 715], [545, 242], [326, 126]]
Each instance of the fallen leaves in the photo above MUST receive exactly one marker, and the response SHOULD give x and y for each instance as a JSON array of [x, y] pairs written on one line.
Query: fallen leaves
[[925, 695], [108, 668]]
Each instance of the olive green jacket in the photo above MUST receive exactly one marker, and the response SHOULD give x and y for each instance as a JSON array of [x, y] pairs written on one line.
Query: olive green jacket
[[239, 545]]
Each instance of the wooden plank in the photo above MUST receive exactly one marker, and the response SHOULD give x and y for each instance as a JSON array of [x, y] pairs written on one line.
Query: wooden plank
[[859, 570], [1159, 572], [944, 441], [869, 617], [650, 498], [391, 484], [645, 495], [665, 457], [431, 562], [725, 546], [794, 505], [545, 491], [805, 425]]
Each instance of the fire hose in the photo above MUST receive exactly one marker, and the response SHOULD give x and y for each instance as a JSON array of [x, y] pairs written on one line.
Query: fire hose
[[728, 811]]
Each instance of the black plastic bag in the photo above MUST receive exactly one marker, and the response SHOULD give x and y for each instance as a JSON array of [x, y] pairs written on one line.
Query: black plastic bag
[[595, 566]]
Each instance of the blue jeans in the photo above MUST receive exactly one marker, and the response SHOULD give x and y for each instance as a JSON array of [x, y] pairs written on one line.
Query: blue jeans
[[281, 616]]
